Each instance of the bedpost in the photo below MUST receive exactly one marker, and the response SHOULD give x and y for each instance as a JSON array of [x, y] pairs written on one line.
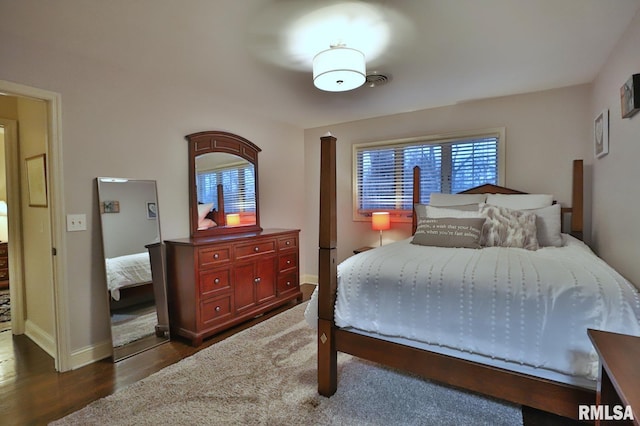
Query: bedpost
[[577, 200], [222, 217], [416, 198], [327, 269]]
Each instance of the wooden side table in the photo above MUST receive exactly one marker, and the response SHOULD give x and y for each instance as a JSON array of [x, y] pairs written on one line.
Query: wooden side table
[[619, 379], [361, 249]]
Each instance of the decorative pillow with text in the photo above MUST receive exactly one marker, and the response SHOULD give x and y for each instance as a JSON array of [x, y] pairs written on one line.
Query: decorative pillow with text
[[449, 232]]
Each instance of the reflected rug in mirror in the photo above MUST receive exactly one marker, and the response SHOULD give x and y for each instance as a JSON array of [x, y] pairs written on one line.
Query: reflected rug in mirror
[[130, 327], [266, 375], [5, 307]]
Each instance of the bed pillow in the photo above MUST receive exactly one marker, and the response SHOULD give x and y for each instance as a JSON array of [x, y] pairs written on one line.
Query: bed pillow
[[520, 201], [203, 211], [549, 225], [438, 199], [508, 228], [449, 232], [427, 211]]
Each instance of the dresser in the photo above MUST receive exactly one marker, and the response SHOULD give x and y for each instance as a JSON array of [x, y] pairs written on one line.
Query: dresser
[[216, 282], [4, 265]]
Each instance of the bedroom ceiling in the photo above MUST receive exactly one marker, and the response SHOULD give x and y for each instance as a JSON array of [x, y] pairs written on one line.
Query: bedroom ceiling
[[436, 52]]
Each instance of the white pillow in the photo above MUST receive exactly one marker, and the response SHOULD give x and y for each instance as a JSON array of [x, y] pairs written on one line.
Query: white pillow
[[549, 225], [203, 210], [440, 212], [438, 199], [520, 201]]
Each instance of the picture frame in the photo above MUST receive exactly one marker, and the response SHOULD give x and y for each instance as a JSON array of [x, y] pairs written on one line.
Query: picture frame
[[152, 210], [630, 96], [36, 170], [601, 134], [110, 207]]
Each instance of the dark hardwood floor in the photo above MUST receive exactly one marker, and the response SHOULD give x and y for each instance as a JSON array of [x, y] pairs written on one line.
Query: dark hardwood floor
[[33, 393]]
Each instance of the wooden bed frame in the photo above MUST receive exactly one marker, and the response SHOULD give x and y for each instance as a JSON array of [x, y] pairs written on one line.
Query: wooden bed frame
[[526, 390]]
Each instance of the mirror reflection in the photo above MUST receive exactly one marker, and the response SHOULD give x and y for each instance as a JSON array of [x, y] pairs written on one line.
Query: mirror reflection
[[134, 264], [226, 191]]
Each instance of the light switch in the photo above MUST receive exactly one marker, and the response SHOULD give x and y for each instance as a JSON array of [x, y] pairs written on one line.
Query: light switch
[[76, 222]]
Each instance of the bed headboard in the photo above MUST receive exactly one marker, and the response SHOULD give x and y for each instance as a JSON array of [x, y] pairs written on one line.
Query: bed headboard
[[576, 208]]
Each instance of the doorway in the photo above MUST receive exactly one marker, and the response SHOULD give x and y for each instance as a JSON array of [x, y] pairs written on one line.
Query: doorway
[[35, 228]]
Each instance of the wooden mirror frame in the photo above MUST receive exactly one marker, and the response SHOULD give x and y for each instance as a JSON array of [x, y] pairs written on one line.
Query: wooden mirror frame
[[215, 141]]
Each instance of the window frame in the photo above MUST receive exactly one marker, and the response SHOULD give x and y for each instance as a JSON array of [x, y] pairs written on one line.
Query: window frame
[[435, 139]]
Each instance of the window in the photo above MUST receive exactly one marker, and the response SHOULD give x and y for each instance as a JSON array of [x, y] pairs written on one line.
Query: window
[[238, 185], [383, 172]]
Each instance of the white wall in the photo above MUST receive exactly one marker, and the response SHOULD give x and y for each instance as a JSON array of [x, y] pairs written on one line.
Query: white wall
[[115, 123], [545, 131], [616, 194]]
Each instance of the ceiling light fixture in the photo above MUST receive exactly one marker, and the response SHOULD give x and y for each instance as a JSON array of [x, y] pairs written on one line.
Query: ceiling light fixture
[[339, 69]]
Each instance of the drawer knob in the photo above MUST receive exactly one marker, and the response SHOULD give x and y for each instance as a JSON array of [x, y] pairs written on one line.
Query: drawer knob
[[288, 243], [288, 283], [217, 308], [256, 249], [257, 280], [288, 262], [216, 256], [217, 281]]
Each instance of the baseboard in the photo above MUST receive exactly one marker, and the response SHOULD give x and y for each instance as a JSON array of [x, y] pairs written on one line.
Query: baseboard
[[90, 354], [40, 337], [310, 279]]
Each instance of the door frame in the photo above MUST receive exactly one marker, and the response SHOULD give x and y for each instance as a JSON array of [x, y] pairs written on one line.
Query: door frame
[[62, 357], [12, 172]]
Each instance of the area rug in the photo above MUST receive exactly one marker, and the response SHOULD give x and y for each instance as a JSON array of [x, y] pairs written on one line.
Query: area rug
[[266, 375]]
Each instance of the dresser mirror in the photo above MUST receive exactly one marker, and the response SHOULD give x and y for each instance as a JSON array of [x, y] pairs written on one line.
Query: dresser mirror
[[223, 184], [134, 264]]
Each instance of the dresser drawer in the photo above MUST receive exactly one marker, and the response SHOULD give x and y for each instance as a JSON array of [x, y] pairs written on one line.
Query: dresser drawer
[[4, 262], [287, 261], [244, 251], [212, 256], [287, 242], [4, 250], [288, 282], [215, 310], [214, 281], [4, 274]]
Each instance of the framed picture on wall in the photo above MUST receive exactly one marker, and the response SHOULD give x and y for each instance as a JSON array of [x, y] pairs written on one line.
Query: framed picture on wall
[[630, 96], [110, 207], [152, 210], [601, 134], [37, 180]]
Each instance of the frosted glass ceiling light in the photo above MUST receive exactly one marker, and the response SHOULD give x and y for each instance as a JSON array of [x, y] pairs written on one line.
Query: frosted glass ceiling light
[[339, 69]]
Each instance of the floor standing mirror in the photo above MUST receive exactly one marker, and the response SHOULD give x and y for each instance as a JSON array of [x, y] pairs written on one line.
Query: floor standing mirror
[[134, 264]]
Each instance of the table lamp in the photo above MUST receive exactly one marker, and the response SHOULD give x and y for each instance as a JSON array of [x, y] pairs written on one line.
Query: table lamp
[[380, 222]]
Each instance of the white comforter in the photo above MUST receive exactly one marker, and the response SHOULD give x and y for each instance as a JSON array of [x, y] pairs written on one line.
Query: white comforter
[[531, 308], [128, 270]]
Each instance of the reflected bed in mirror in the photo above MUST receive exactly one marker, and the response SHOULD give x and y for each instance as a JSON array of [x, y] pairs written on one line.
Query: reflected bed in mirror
[[223, 184], [134, 264]]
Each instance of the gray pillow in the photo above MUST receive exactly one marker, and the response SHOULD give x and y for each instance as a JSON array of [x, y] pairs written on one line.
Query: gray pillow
[[508, 228], [449, 232]]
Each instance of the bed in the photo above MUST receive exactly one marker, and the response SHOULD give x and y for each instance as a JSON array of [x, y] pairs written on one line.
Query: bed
[[537, 361], [128, 271]]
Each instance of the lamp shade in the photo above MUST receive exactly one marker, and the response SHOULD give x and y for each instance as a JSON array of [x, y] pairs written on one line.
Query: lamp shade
[[339, 69], [380, 221], [233, 219]]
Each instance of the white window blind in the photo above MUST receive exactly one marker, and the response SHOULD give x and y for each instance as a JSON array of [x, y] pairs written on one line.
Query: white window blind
[[238, 184], [383, 173]]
